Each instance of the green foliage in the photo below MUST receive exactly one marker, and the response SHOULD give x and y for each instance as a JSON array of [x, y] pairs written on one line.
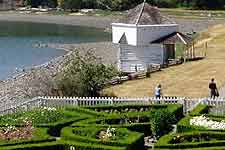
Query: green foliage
[[161, 122], [36, 3], [207, 4], [39, 136], [191, 140], [166, 3], [37, 116], [72, 4], [123, 137], [199, 110], [184, 124], [37, 146], [85, 75], [88, 122]]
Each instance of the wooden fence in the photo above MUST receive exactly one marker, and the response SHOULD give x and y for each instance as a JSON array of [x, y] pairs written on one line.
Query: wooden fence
[[188, 104]]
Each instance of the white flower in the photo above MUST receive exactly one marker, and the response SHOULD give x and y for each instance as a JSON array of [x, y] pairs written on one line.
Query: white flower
[[207, 123]]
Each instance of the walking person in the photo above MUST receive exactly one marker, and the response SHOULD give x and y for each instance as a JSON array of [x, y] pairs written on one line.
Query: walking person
[[213, 89], [158, 91]]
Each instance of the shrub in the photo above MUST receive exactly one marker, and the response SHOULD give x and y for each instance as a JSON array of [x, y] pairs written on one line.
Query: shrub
[[123, 138], [84, 75], [161, 122], [189, 138], [199, 110]]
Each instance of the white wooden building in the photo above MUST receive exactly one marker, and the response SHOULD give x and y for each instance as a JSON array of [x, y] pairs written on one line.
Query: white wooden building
[[138, 38]]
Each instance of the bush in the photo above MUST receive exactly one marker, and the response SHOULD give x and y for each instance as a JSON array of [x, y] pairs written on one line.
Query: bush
[[123, 138], [161, 122], [167, 140], [184, 126], [199, 110], [37, 116], [37, 146], [84, 75], [40, 135]]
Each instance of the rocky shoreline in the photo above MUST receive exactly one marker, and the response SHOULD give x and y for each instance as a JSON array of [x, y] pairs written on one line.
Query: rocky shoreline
[[37, 80]]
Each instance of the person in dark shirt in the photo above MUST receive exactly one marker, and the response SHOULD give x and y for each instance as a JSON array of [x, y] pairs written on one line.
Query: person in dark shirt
[[213, 89]]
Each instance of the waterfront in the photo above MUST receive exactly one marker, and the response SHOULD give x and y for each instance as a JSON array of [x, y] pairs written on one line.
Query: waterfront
[[24, 44]]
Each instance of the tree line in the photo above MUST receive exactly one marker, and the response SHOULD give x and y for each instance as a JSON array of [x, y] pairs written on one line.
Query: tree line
[[127, 4]]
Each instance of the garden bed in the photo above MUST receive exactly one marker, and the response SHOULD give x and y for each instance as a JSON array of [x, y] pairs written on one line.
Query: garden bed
[[195, 135], [98, 127]]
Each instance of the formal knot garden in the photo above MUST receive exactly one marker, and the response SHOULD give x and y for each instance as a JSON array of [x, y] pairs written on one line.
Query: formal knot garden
[[100, 127], [122, 126], [203, 128]]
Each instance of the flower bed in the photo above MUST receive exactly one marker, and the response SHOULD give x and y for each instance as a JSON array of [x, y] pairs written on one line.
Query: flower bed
[[90, 126], [199, 130], [119, 137], [37, 116], [191, 140], [207, 123]]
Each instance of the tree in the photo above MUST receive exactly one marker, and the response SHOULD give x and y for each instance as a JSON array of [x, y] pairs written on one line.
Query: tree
[[72, 4], [85, 75], [161, 122], [208, 4]]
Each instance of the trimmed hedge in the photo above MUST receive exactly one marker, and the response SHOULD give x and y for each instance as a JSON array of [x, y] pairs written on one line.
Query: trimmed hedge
[[90, 146], [184, 124], [40, 135], [125, 137], [177, 109], [199, 110], [201, 148], [38, 146], [89, 121], [166, 141]]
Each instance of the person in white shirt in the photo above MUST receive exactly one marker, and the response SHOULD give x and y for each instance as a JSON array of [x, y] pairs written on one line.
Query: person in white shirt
[[158, 91]]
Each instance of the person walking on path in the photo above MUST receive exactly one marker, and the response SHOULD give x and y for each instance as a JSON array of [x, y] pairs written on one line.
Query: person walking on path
[[213, 89], [158, 91]]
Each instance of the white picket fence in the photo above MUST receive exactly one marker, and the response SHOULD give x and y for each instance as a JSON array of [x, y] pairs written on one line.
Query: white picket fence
[[188, 104]]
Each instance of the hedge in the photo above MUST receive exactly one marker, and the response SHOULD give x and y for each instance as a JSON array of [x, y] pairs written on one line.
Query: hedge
[[67, 112], [177, 109], [165, 141], [88, 135], [184, 126], [199, 110], [201, 148], [91, 121], [90, 146], [40, 135], [38, 146]]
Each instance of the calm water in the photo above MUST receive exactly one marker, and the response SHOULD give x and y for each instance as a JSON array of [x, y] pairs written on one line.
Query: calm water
[[18, 40]]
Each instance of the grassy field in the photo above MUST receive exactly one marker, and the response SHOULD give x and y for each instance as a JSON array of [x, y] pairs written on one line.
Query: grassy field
[[190, 79], [193, 14], [172, 12]]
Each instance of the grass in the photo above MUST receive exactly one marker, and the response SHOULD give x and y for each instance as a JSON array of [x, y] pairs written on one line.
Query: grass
[[193, 14], [190, 79], [172, 12]]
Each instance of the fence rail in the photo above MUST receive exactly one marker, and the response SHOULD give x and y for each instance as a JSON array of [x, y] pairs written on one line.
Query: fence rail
[[188, 104]]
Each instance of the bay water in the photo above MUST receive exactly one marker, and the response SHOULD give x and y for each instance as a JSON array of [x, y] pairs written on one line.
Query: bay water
[[19, 40]]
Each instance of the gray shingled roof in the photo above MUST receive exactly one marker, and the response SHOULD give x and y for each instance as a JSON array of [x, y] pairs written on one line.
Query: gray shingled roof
[[145, 14]]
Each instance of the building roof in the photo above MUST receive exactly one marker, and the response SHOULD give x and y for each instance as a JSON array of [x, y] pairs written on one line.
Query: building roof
[[145, 14], [173, 38]]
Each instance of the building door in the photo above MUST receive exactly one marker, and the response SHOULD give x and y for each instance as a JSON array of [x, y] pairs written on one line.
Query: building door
[[169, 51]]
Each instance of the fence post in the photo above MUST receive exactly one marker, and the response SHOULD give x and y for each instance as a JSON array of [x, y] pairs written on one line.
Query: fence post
[[185, 106]]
